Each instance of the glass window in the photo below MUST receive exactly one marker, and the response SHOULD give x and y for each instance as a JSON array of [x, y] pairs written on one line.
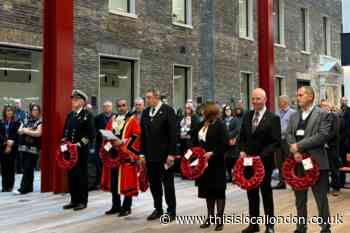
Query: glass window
[[277, 21], [116, 79], [20, 76], [246, 88], [244, 21], [325, 36], [304, 29], [279, 90], [120, 5], [180, 86], [179, 11]]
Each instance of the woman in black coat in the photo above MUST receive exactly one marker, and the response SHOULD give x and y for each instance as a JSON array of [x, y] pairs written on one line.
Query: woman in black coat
[[213, 137], [8, 147]]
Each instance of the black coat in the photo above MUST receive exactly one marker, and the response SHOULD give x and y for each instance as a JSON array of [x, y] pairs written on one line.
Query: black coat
[[101, 121], [14, 125], [80, 128], [266, 139], [213, 181], [158, 134]]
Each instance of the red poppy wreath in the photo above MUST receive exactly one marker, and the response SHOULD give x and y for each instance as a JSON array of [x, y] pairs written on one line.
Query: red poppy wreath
[[300, 183], [255, 180], [194, 163], [67, 156], [111, 157]]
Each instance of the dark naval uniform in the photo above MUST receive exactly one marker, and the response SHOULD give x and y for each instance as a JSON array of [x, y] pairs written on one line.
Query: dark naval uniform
[[79, 129]]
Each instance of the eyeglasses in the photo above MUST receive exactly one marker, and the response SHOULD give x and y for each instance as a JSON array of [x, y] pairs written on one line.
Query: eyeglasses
[[122, 105]]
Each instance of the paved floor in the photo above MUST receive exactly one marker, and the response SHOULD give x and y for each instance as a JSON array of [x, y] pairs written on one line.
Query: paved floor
[[42, 212]]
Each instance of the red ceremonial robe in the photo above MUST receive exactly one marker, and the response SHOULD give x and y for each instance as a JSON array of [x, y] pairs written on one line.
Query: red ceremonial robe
[[127, 172]]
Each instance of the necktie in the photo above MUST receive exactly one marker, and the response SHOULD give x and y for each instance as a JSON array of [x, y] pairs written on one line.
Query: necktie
[[255, 121], [152, 111]]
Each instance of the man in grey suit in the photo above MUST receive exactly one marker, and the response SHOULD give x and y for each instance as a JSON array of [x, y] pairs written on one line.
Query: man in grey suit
[[307, 132]]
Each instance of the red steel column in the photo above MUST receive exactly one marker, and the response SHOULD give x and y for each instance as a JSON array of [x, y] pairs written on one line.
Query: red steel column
[[266, 50], [57, 87]]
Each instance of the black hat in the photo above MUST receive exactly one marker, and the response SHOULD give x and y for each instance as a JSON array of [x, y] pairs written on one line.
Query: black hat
[[79, 94]]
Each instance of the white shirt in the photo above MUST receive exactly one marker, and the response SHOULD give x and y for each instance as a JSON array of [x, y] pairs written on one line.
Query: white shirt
[[79, 110], [306, 113], [156, 109], [261, 114]]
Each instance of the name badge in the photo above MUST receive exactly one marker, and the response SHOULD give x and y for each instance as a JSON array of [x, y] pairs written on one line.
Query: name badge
[[188, 154], [248, 162], [300, 132], [108, 146], [307, 163], [64, 148]]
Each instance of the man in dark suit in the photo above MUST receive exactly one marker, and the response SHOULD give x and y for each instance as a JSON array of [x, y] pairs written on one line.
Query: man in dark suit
[[101, 121], [308, 132], [260, 136], [158, 145], [79, 129]]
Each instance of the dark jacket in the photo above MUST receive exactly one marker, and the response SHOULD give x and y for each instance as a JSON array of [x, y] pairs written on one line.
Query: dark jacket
[[101, 121], [12, 134], [266, 139], [80, 128], [158, 134]]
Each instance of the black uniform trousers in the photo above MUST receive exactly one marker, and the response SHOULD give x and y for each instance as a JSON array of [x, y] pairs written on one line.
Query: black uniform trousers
[[115, 192], [7, 171], [78, 179], [29, 164], [159, 178], [266, 193]]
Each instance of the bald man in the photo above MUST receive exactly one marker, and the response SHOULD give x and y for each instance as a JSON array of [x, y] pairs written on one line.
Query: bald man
[[260, 136]]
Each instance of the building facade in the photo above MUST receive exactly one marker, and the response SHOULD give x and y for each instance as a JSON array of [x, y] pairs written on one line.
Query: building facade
[[199, 50]]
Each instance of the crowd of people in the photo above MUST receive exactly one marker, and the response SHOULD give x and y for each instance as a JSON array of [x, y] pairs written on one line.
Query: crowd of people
[[157, 136]]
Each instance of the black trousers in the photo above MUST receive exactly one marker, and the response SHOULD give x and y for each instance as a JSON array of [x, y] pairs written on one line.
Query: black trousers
[[159, 178], [281, 155], [320, 190], [266, 193], [8, 171], [29, 164], [78, 179], [335, 163], [116, 200], [230, 163]]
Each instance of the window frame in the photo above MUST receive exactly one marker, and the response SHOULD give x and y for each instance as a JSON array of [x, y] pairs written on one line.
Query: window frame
[[135, 73], [326, 36], [188, 82], [131, 11], [306, 28], [188, 15], [281, 26], [250, 88], [249, 20]]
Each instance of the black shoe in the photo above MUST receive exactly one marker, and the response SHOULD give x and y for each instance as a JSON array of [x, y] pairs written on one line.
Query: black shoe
[[156, 214], [270, 230], [113, 210], [219, 227], [79, 207], [251, 229], [124, 213], [69, 206], [280, 185], [206, 224]]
